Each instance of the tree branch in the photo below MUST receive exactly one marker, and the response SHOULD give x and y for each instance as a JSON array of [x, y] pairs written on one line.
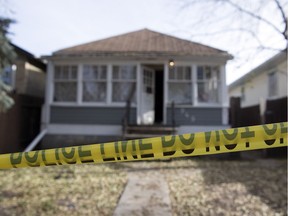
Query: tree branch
[[253, 34], [284, 33], [255, 16]]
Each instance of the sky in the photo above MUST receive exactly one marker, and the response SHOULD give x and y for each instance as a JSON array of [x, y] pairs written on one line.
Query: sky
[[45, 26]]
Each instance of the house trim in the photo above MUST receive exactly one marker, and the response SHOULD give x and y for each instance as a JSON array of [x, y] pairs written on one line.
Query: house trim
[[224, 89], [45, 116], [116, 130], [138, 88], [73, 104], [165, 96], [199, 128], [109, 84], [79, 84], [194, 83], [81, 129], [225, 112]]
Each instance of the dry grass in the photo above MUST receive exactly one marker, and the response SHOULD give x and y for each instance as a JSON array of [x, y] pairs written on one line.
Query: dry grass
[[229, 188], [66, 190], [217, 187], [197, 187]]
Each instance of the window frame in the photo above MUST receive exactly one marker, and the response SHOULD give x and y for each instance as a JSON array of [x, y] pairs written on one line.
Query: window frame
[[243, 95], [179, 81], [205, 80], [121, 80], [69, 80], [101, 80], [276, 90], [193, 81], [79, 84]]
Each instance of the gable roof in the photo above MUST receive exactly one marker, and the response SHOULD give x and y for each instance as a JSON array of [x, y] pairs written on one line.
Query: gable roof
[[264, 67], [142, 42]]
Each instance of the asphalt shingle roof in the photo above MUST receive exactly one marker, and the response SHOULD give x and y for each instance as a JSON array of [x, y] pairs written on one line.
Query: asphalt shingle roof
[[143, 42]]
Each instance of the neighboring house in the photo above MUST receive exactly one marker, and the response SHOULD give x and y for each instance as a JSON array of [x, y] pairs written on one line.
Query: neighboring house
[[88, 87], [21, 123], [266, 82]]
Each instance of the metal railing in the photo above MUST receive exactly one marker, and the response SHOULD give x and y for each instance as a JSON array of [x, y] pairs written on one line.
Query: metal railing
[[126, 117], [173, 115], [37, 139]]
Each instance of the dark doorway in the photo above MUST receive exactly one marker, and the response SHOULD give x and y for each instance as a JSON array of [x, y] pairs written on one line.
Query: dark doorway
[[159, 91]]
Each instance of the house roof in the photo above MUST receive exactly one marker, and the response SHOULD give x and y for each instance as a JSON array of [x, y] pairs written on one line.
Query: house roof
[[266, 66], [142, 43], [29, 57]]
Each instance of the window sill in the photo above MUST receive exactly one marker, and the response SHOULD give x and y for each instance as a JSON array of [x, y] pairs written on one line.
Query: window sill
[[209, 105], [66, 104], [199, 105], [273, 97]]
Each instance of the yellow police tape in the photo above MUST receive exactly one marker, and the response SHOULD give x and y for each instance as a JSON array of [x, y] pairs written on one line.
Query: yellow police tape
[[204, 143]]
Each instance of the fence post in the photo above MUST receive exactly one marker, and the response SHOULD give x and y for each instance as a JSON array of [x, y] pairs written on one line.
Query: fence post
[[276, 111], [235, 112], [235, 120]]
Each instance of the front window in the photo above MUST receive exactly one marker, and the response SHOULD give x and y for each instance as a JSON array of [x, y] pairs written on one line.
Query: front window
[[208, 82], [65, 83], [179, 85], [124, 83], [94, 83]]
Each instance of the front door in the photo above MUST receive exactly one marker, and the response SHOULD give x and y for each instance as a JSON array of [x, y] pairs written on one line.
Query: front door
[[147, 113]]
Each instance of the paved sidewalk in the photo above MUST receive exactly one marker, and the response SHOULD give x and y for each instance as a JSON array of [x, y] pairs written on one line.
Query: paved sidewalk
[[144, 194]]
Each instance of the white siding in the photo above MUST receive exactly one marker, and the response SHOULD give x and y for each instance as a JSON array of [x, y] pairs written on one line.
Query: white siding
[[257, 87]]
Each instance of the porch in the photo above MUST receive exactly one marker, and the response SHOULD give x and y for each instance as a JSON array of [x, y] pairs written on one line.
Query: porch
[[136, 131], [114, 100]]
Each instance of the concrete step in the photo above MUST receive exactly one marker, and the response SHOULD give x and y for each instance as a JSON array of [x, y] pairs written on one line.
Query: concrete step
[[147, 131], [157, 128], [153, 130], [141, 136]]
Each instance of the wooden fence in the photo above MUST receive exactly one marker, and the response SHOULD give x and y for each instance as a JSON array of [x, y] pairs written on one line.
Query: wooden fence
[[276, 111], [21, 124]]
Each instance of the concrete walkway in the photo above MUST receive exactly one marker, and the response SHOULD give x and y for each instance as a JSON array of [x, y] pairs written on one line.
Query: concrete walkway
[[144, 194]]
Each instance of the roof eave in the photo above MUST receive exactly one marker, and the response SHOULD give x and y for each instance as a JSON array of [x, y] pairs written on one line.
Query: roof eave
[[223, 56], [276, 59]]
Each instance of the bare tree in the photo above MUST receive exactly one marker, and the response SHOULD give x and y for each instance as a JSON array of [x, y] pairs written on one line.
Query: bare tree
[[251, 26]]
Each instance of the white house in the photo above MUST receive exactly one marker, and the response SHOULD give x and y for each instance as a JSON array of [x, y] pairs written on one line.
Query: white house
[[265, 82], [88, 87]]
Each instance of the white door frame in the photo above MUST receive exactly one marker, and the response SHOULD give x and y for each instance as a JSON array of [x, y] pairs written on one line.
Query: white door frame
[[147, 99], [140, 67], [165, 92]]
